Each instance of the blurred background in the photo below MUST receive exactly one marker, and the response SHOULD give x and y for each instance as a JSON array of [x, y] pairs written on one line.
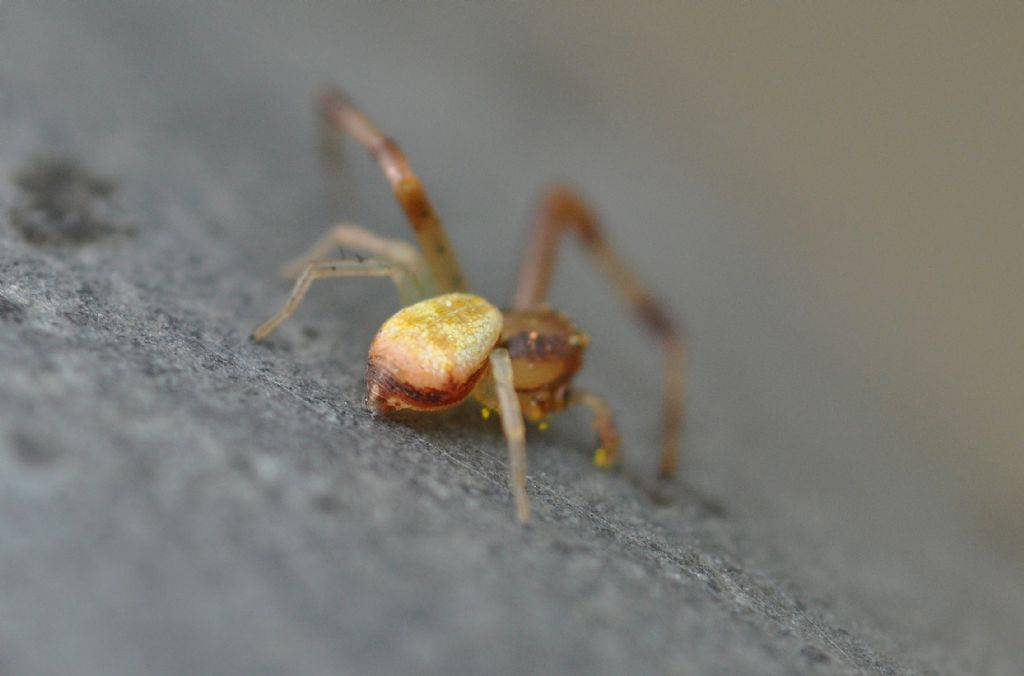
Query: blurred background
[[828, 194], [869, 158], [874, 153]]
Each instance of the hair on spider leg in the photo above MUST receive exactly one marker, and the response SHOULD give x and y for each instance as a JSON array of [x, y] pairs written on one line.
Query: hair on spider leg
[[350, 255]]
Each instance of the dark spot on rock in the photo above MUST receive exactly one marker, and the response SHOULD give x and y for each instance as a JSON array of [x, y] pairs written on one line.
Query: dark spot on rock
[[11, 311], [78, 316], [60, 202], [242, 465], [310, 332], [152, 369], [31, 452], [814, 654], [328, 503], [85, 311]]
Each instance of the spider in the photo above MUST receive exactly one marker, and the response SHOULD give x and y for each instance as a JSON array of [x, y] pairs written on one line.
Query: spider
[[446, 344]]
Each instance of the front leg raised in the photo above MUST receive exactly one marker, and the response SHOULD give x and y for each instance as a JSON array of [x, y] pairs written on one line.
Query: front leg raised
[[322, 270]]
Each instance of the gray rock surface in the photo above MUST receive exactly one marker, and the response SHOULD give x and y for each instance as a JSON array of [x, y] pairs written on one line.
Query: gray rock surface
[[175, 499]]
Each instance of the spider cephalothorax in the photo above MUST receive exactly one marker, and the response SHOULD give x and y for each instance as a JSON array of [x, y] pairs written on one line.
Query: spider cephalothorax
[[447, 345], [546, 350]]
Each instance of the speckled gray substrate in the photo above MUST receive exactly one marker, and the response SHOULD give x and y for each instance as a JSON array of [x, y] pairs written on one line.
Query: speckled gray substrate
[[175, 499]]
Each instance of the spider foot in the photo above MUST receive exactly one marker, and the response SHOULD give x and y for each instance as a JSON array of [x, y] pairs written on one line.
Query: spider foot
[[605, 459]]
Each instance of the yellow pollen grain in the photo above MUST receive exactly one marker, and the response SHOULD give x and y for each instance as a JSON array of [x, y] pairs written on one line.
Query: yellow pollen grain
[[485, 413], [601, 458]]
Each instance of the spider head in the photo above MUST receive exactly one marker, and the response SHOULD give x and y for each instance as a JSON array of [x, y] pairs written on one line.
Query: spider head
[[546, 350]]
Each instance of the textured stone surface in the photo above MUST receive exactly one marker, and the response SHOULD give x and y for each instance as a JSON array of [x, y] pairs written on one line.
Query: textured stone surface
[[175, 499]]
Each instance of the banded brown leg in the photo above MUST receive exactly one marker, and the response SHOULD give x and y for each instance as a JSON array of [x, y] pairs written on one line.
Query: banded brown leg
[[562, 210], [340, 114]]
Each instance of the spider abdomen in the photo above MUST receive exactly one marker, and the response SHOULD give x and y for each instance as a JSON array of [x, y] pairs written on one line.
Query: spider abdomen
[[431, 354]]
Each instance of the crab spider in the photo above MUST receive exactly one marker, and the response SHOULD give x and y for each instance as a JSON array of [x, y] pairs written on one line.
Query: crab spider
[[447, 345]]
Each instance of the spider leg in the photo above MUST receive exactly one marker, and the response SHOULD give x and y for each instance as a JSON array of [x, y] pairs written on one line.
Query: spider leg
[[561, 210], [515, 430], [324, 269], [416, 286], [604, 423], [339, 114]]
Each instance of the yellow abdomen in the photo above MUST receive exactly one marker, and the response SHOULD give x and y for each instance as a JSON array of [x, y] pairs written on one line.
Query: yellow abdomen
[[431, 354]]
